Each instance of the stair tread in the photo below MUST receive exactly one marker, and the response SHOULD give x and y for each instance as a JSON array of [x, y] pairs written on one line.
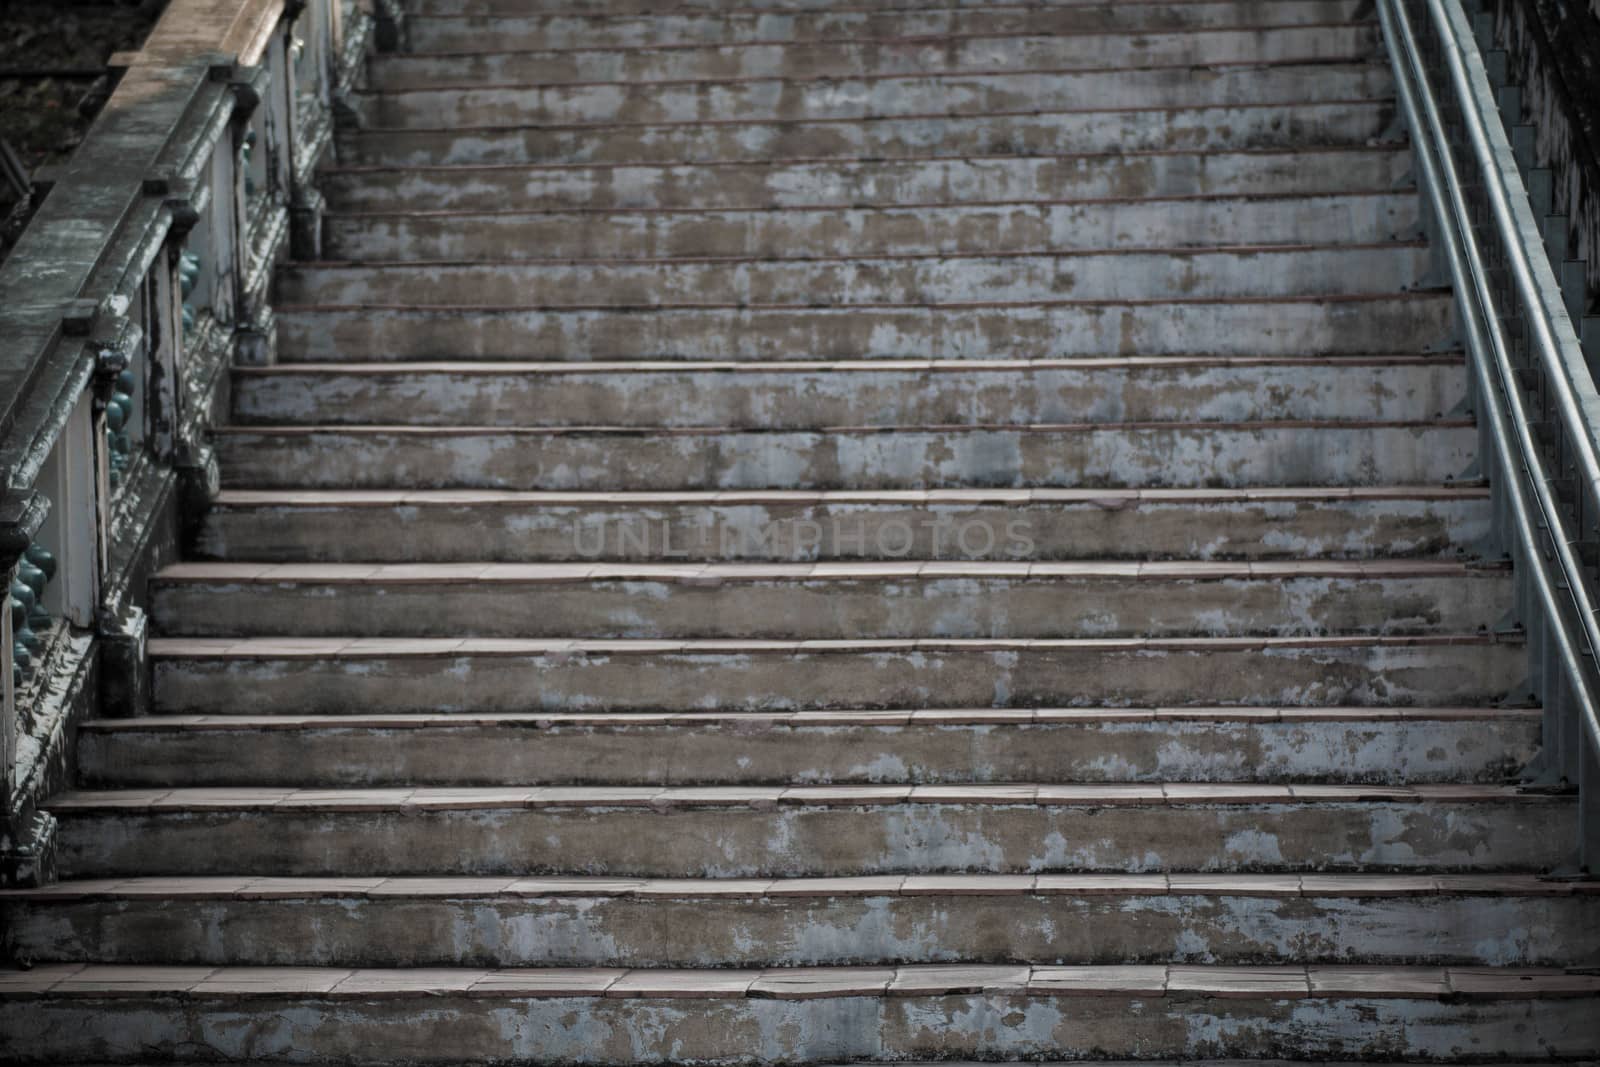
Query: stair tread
[[953, 365], [939, 717], [1281, 886], [238, 498], [449, 798], [1383, 148], [686, 572], [1243, 64], [1131, 981], [386, 647]]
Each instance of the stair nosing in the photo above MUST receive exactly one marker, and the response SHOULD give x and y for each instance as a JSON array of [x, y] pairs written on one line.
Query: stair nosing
[[534, 887], [402, 58], [1178, 252], [1365, 62], [339, 215], [1271, 984], [1387, 148]]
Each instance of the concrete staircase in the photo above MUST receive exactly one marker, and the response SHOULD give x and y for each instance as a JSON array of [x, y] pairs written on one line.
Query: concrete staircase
[[811, 534]]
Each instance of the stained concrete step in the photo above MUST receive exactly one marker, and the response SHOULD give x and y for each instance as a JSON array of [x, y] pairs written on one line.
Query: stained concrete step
[[831, 183], [838, 601], [396, 526], [611, 9], [927, 746], [1256, 124], [849, 59], [1238, 919], [520, 29], [1130, 455], [824, 1015], [858, 393], [822, 830], [1000, 88], [1259, 271], [340, 675], [946, 229], [1358, 325]]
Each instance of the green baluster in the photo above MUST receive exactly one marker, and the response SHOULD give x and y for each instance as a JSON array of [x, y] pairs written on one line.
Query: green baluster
[[35, 579], [116, 440], [44, 559], [21, 608]]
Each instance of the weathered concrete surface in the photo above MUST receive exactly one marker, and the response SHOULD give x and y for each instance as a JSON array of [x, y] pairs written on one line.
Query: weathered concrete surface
[[1108, 276], [830, 602], [465, 922], [375, 1028], [847, 59], [847, 182], [1361, 218], [755, 832], [524, 31], [394, 526], [1300, 326], [816, 747], [1031, 132], [338, 676], [916, 93], [865, 392], [1111, 454]]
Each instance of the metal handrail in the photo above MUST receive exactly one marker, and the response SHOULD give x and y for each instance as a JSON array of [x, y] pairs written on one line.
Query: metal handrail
[[1538, 523]]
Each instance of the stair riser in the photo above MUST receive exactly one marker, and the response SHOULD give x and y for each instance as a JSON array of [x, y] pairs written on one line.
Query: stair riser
[[380, 1030], [737, 754], [1262, 530], [836, 610], [609, 9], [787, 932], [858, 183], [1193, 129], [913, 459], [851, 59], [775, 100], [1243, 329], [888, 231], [1425, 674], [1131, 276], [734, 842], [799, 399], [521, 31]]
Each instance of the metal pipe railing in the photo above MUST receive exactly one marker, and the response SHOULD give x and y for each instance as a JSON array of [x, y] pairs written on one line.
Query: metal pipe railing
[[1527, 491]]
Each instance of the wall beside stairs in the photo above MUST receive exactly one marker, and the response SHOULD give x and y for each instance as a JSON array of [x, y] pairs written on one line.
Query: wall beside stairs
[[139, 283]]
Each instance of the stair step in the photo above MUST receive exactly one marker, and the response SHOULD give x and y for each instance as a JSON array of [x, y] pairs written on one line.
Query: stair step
[[799, 182], [953, 229], [941, 745], [1262, 271], [1257, 124], [815, 1015], [852, 58], [343, 675], [1237, 919], [881, 457], [824, 830], [519, 29], [613, 9], [892, 599], [1300, 326], [1000, 88], [396, 526], [799, 395]]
